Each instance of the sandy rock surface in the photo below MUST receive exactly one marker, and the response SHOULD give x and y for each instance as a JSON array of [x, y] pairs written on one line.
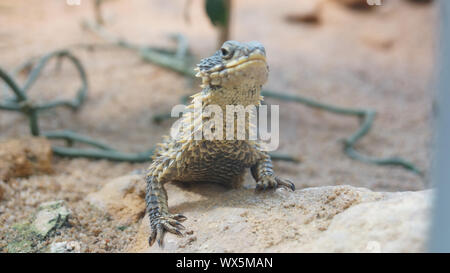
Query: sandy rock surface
[[397, 223], [122, 198], [322, 219]]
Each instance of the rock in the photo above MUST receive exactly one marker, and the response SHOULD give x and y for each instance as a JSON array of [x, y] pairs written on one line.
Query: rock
[[307, 12], [398, 223], [65, 247], [50, 216], [24, 157], [325, 219], [122, 198]]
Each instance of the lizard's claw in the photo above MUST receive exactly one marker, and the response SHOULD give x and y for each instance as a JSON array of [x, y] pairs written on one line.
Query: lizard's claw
[[170, 223], [273, 182]]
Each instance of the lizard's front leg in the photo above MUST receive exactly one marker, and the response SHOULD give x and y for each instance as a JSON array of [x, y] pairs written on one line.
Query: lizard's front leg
[[160, 218], [263, 174]]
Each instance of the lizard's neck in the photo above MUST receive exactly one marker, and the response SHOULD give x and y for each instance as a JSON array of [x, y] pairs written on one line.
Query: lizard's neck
[[244, 94]]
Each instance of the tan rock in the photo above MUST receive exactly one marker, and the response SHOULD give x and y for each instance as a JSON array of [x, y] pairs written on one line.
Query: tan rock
[[324, 219], [122, 198], [398, 223], [24, 157], [49, 217], [242, 221]]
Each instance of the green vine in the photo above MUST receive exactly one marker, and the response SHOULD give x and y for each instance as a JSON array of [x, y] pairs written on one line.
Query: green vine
[[21, 103]]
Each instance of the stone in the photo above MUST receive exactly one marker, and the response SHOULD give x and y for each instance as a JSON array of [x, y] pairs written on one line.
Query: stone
[[122, 198], [323, 219], [24, 157], [50, 216], [65, 247], [398, 223]]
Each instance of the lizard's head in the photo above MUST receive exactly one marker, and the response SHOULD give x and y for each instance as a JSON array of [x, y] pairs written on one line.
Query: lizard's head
[[235, 64]]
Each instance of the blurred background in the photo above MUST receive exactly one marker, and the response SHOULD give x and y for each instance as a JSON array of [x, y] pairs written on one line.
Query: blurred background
[[341, 52]]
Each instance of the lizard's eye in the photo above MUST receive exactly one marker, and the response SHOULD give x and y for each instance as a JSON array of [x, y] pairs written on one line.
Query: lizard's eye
[[226, 53]]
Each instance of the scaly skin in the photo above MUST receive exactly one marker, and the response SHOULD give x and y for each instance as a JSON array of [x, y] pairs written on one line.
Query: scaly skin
[[232, 76]]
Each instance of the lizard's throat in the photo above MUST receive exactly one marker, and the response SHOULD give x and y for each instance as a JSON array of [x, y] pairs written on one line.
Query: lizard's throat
[[244, 94]]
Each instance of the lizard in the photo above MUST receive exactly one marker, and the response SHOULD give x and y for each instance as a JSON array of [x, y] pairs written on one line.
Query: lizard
[[233, 75]]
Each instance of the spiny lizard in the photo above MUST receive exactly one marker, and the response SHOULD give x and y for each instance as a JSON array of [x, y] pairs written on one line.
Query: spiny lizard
[[234, 75]]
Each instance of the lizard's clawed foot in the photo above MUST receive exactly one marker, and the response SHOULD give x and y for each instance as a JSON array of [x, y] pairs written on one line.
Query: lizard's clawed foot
[[170, 223], [273, 182]]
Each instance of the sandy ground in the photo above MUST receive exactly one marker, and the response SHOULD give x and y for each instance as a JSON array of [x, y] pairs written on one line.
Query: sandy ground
[[381, 59]]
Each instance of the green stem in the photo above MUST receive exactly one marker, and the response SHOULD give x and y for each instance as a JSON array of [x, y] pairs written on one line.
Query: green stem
[[103, 154], [34, 123], [9, 107], [158, 57], [74, 137], [12, 84], [168, 61], [395, 161], [313, 103], [283, 157], [36, 72]]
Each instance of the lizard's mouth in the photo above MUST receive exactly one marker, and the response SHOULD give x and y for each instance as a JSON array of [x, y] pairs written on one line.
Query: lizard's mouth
[[224, 72], [254, 57]]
